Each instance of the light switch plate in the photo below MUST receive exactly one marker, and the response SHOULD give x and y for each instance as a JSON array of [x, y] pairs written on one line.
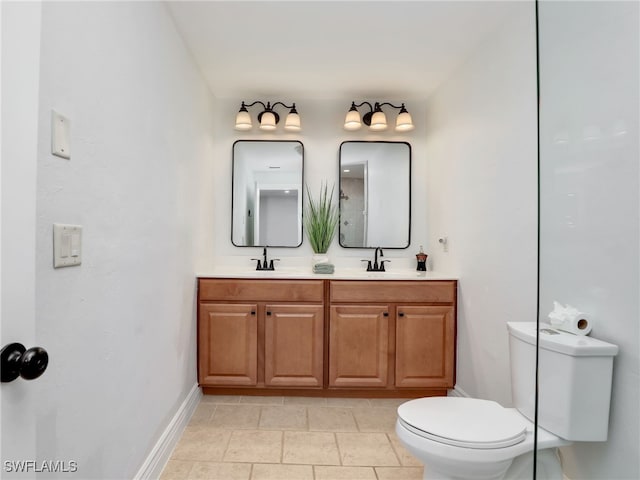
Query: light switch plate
[[67, 245], [60, 135]]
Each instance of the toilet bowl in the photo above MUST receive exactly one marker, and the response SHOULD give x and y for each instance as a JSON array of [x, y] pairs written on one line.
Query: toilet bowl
[[467, 438]]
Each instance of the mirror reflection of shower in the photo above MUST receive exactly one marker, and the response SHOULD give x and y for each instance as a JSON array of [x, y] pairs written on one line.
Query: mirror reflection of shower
[[375, 194], [353, 201]]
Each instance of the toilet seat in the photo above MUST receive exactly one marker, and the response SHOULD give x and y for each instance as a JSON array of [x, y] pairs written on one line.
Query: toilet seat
[[463, 422]]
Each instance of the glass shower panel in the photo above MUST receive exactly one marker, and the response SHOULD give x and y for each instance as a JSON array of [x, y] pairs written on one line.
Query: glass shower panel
[[589, 219]]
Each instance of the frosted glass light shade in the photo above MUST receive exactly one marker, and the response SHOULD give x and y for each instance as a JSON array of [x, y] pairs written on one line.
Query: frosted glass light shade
[[243, 121], [378, 121], [292, 122], [268, 121], [352, 120], [404, 122]]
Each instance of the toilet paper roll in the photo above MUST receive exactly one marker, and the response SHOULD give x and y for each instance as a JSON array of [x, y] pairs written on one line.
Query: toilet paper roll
[[578, 324]]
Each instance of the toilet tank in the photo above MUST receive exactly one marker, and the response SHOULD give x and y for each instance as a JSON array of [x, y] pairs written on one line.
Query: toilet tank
[[574, 376]]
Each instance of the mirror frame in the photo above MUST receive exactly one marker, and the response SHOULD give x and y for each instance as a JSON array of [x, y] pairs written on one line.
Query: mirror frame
[[302, 190], [340, 189]]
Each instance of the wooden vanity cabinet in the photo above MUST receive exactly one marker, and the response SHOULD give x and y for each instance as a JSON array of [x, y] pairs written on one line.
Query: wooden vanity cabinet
[[260, 333], [388, 338], [394, 334]]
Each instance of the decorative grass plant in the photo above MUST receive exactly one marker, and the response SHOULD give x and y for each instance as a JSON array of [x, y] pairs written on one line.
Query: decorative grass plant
[[321, 219]]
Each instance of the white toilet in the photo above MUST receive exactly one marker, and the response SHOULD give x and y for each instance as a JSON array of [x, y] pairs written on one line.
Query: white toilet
[[467, 438]]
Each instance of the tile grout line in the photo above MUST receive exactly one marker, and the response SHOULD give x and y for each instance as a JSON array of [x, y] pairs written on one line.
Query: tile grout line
[[226, 448], [335, 439], [355, 420], [375, 472], [282, 447], [259, 417], [393, 449]]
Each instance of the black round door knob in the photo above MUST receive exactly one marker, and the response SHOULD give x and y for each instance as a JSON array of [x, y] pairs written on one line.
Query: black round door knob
[[16, 361]]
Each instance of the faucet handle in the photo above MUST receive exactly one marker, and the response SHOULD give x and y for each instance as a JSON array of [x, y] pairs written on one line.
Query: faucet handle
[[259, 265], [369, 268], [271, 267], [382, 265]]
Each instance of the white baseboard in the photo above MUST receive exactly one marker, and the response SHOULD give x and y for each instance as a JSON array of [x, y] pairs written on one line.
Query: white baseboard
[[457, 392], [160, 453]]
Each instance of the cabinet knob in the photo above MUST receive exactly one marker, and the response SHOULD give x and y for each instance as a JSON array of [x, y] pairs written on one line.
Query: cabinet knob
[[401, 314], [385, 314], [253, 312], [268, 313], [17, 361]]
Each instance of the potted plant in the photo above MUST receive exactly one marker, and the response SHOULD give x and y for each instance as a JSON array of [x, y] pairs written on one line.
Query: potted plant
[[320, 221]]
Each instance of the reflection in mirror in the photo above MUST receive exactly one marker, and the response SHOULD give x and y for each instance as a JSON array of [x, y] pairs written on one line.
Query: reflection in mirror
[[375, 194], [266, 207]]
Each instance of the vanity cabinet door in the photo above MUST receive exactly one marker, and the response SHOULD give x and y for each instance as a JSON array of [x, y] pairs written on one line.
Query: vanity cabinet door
[[293, 345], [358, 345], [228, 344], [425, 346]]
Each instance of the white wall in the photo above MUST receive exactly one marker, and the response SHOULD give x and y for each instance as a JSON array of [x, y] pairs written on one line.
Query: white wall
[[120, 328], [589, 77], [322, 133], [481, 149]]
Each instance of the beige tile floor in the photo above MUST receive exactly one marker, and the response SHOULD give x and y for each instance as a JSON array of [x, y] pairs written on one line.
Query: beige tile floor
[[292, 438]]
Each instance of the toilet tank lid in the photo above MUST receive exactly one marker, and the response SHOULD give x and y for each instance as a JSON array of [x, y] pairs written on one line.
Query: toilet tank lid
[[562, 342]]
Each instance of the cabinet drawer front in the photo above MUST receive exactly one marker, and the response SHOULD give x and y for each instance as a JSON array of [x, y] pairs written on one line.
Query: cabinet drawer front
[[268, 290], [393, 291]]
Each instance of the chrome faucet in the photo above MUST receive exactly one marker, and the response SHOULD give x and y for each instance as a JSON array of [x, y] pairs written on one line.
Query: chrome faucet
[[265, 264], [376, 267]]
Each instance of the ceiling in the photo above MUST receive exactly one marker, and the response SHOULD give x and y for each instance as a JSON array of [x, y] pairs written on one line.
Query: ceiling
[[327, 49]]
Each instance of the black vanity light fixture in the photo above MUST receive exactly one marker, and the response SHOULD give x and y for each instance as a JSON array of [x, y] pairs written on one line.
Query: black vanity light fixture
[[375, 118], [268, 118]]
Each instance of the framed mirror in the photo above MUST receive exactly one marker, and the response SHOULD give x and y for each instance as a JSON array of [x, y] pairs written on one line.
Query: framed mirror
[[375, 194], [266, 204]]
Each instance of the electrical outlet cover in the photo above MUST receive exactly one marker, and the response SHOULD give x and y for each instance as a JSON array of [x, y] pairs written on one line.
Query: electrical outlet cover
[[60, 135]]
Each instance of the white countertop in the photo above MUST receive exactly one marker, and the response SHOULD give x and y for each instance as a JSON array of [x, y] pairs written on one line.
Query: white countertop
[[306, 273]]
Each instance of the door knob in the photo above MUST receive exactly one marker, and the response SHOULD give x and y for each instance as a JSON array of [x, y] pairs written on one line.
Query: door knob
[[17, 361]]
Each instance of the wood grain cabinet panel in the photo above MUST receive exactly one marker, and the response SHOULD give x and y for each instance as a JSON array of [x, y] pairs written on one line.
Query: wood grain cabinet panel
[[366, 291], [358, 346], [271, 290], [326, 337], [425, 346], [228, 344], [293, 345]]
